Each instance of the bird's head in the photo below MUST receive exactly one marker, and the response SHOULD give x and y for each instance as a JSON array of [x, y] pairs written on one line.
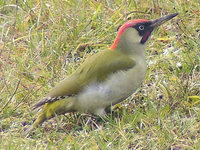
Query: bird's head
[[133, 35]]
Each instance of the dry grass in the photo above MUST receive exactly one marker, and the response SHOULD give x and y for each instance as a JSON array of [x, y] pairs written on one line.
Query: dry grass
[[41, 42]]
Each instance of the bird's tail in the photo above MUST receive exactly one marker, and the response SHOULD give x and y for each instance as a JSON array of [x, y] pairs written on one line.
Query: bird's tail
[[50, 109], [49, 100]]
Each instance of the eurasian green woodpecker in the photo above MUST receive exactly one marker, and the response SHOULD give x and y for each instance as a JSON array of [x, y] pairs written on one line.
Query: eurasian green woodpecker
[[105, 78]]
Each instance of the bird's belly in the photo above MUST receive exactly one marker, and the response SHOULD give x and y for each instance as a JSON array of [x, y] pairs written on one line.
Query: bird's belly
[[98, 96]]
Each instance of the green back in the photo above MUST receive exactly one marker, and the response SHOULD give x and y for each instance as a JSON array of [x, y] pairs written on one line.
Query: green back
[[96, 68]]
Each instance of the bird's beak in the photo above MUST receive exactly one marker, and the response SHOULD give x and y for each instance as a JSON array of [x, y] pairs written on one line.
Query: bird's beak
[[159, 21]]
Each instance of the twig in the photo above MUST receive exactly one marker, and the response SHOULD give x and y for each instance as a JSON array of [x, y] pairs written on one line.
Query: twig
[[5, 83], [132, 12], [186, 33], [29, 92], [11, 96]]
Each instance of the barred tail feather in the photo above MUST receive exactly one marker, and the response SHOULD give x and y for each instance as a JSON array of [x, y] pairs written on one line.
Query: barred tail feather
[[48, 100], [51, 107]]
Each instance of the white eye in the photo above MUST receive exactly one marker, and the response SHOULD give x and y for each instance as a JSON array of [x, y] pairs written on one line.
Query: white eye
[[141, 27]]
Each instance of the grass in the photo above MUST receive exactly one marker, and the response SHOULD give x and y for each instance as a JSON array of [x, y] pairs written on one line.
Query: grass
[[42, 42]]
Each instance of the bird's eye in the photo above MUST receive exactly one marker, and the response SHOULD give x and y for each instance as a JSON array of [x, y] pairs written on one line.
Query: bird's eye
[[141, 27]]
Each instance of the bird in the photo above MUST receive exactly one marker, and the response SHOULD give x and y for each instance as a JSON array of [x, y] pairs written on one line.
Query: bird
[[104, 79]]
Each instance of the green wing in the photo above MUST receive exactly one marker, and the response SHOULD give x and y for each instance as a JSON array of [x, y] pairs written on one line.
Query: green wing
[[97, 68]]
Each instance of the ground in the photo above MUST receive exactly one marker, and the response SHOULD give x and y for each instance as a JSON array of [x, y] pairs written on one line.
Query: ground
[[42, 42]]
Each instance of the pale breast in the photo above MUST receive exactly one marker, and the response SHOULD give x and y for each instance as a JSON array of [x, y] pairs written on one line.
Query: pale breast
[[117, 88]]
